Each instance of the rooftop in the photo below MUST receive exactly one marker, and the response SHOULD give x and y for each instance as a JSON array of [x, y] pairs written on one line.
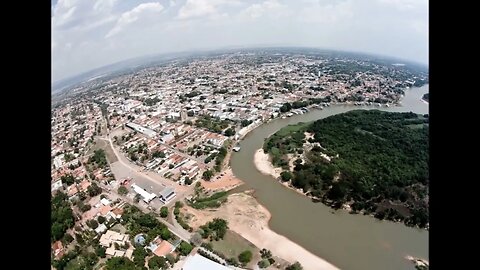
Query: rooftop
[[198, 262], [167, 191], [147, 197]]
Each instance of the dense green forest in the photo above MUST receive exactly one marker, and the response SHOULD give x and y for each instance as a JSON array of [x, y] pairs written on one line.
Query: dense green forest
[[61, 216], [378, 162]]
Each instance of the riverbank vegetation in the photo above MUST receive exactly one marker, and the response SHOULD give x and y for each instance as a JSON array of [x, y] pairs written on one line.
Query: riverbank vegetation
[[212, 201], [374, 161]]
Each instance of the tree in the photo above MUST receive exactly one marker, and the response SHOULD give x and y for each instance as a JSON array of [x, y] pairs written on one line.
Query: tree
[[164, 212], [286, 107], [232, 261], [61, 216], [229, 132], [188, 181], [68, 238], [139, 255], [295, 266], [94, 190], [81, 195], [79, 239], [286, 176], [119, 263], [158, 154], [207, 175], [216, 228], [68, 179], [100, 251], [263, 263], [92, 223], [171, 259], [245, 257], [122, 190], [101, 219], [84, 207], [165, 234], [265, 253], [178, 204], [171, 166], [157, 262], [137, 198], [245, 123], [185, 248]]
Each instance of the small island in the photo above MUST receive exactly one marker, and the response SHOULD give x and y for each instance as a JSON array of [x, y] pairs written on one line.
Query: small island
[[368, 161], [425, 97]]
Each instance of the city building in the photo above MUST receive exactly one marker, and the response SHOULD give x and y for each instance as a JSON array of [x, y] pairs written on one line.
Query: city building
[[146, 131], [146, 196], [167, 195]]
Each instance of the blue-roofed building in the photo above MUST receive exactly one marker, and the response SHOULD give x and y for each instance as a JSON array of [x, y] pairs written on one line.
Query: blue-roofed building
[[139, 239]]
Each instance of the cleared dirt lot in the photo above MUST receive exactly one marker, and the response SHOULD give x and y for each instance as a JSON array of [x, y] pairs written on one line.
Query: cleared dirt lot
[[225, 182], [105, 145]]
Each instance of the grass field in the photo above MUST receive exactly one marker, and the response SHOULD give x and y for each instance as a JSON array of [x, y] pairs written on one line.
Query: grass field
[[291, 128], [233, 244]]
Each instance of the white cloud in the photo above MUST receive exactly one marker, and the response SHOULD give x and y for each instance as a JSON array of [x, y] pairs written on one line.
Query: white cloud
[[327, 13], [406, 5], [196, 8], [81, 14], [420, 26], [200, 8], [269, 7], [129, 17]]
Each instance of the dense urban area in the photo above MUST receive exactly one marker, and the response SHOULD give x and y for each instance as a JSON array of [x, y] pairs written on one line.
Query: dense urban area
[[138, 156]]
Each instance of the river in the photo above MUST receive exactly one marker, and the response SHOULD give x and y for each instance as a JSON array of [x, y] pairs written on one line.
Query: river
[[348, 241]]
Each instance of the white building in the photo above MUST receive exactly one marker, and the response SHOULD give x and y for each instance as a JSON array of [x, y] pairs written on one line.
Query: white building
[[198, 262], [58, 161], [56, 185], [167, 195], [146, 131], [146, 196]]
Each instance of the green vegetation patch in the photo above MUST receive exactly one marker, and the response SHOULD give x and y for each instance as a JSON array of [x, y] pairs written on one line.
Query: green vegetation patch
[[285, 141], [381, 161], [232, 245], [213, 201]]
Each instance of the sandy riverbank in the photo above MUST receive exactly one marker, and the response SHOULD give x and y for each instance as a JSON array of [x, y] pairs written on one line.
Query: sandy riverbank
[[250, 219], [263, 164]]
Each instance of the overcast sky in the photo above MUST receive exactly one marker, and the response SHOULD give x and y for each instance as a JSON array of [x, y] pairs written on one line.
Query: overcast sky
[[87, 34]]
